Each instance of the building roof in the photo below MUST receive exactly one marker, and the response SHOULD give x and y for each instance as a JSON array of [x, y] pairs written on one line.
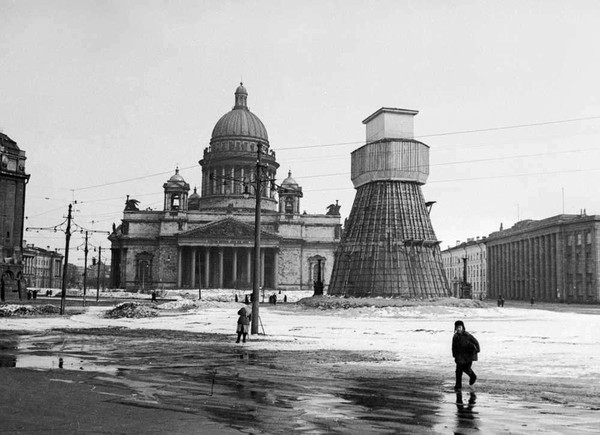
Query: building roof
[[529, 225], [176, 182], [390, 110], [289, 181], [240, 122], [8, 143]]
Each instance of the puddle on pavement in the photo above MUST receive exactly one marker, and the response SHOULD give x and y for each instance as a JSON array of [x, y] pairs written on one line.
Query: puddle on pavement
[[45, 353], [51, 362], [274, 392]]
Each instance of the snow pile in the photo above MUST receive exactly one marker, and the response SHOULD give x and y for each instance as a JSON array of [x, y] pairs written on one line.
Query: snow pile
[[9, 310], [131, 310]]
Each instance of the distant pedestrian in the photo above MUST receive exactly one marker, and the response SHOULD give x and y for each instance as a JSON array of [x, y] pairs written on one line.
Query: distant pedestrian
[[274, 299], [532, 301], [285, 299], [465, 348], [243, 324], [153, 295]]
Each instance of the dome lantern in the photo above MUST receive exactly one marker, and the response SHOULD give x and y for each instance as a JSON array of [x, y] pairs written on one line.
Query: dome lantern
[[241, 96]]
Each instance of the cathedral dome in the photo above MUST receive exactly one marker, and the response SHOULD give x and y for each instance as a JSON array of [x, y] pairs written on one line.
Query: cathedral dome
[[240, 122], [194, 195]]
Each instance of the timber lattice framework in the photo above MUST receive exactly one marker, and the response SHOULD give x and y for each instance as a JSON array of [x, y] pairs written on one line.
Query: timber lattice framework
[[389, 247]]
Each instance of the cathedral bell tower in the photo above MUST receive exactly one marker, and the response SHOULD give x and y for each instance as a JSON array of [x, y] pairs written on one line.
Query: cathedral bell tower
[[176, 193], [289, 196]]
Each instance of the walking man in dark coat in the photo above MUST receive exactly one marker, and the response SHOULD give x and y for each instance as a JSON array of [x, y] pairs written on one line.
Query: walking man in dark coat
[[465, 348]]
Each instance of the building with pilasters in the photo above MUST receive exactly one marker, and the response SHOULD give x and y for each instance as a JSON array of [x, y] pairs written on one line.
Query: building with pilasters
[[467, 260], [13, 181], [555, 259], [206, 239], [42, 268]]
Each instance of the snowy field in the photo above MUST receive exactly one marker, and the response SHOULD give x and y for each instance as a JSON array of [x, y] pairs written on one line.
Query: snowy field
[[518, 345]]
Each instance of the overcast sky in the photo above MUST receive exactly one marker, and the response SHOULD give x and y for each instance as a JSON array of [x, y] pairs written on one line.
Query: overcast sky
[[101, 92]]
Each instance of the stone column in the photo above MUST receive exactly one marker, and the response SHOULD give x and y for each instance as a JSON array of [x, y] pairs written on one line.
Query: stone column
[[234, 267], [275, 264], [179, 265], [262, 267], [249, 264], [207, 267], [220, 282], [193, 271]]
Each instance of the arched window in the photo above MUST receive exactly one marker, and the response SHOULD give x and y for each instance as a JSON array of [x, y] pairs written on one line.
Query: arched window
[[289, 205], [175, 201]]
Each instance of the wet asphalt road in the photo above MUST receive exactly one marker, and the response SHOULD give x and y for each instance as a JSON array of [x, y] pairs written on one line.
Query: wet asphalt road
[[199, 383]]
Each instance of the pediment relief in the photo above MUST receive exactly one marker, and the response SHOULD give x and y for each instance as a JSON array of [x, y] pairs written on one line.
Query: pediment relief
[[226, 229]]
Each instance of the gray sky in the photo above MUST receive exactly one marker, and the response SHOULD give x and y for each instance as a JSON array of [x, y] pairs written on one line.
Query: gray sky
[[98, 92]]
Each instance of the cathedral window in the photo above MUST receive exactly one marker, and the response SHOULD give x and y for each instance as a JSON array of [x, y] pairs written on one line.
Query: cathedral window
[[289, 205], [175, 202]]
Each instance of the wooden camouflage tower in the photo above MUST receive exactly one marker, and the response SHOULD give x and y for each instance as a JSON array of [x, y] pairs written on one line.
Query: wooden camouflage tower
[[389, 247]]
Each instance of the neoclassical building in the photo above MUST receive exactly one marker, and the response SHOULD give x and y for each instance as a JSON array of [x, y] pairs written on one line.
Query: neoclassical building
[[13, 182], [472, 255], [206, 239], [556, 259]]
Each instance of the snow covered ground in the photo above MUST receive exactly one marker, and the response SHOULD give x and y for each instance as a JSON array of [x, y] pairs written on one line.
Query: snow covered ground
[[516, 343]]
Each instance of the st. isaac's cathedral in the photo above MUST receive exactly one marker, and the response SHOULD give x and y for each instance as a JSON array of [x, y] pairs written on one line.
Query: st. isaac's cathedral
[[206, 239]]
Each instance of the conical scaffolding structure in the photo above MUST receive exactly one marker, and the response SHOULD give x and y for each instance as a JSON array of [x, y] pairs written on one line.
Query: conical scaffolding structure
[[389, 247]]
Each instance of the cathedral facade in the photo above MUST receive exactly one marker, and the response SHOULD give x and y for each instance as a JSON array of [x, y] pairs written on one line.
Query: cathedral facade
[[206, 239]]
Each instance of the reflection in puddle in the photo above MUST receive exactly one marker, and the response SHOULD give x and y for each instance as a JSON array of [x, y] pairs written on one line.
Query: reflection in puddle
[[48, 362], [49, 352]]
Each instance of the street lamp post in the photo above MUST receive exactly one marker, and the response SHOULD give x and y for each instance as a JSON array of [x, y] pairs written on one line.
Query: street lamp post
[[260, 178], [256, 268]]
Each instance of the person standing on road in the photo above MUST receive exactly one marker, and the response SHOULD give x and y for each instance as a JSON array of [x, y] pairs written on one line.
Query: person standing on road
[[243, 324], [465, 348]]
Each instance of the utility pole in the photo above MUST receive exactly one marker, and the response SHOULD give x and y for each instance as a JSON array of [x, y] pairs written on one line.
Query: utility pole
[[98, 278], [85, 252], [259, 179], [64, 277], [256, 277]]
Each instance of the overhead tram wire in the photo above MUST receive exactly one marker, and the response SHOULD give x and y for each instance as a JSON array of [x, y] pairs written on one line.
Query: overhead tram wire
[[490, 177], [251, 154], [460, 162], [507, 127]]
